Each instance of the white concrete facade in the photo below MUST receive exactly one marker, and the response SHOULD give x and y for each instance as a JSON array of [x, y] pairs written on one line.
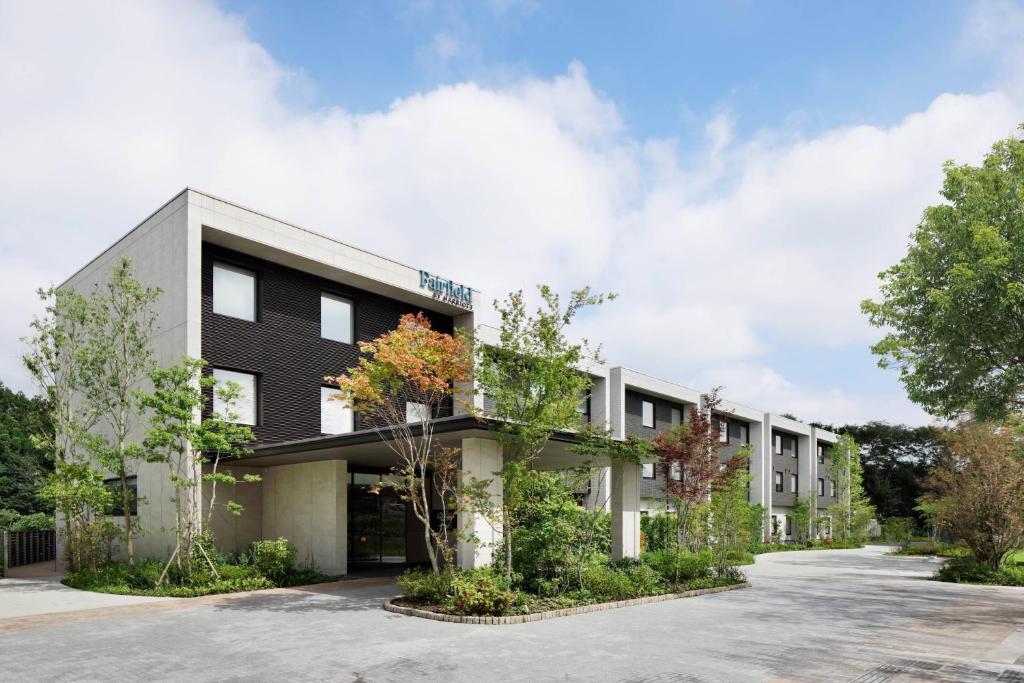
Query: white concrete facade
[[481, 461]]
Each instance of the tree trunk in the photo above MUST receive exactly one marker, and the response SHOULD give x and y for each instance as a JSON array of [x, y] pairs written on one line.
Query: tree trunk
[[129, 546]]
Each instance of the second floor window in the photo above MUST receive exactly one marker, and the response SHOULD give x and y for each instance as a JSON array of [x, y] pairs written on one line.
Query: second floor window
[[832, 489], [335, 416], [647, 470], [794, 483], [723, 431], [335, 318], [778, 444], [245, 407], [778, 482], [647, 413], [677, 417], [675, 471], [821, 487], [416, 412], [234, 291], [821, 454]]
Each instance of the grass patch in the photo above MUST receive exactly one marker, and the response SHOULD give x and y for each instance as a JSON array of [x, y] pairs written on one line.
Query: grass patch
[[933, 550]]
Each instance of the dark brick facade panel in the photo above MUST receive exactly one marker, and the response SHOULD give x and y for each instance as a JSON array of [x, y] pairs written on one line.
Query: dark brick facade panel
[[284, 348]]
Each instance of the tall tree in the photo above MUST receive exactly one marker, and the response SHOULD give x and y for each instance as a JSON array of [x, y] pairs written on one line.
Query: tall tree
[[954, 305], [122, 323], [895, 459], [25, 428], [532, 385], [852, 511], [689, 461], [977, 489], [412, 368]]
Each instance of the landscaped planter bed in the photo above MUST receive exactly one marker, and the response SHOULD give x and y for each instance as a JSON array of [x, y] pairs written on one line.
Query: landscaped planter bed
[[394, 605]]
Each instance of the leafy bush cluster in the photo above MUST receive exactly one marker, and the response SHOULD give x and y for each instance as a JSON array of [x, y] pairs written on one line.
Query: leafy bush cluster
[[265, 564], [937, 549], [12, 520], [969, 570], [485, 591]]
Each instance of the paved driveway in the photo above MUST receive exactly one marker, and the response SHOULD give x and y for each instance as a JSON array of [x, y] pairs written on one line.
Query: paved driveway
[[811, 616], [46, 595]]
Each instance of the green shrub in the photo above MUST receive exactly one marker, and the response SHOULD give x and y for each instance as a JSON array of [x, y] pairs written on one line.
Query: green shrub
[[897, 530], [425, 587], [12, 520], [604, 582], [676, 567], [479, 592], [939, 549], [740, 557], [658, 532], [273, 558], [969, 570]]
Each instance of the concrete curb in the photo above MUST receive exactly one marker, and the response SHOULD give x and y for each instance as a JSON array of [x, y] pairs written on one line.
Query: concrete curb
[[390, 606]]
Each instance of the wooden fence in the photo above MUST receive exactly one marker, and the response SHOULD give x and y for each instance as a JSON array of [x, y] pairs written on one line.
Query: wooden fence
[[28, 547]]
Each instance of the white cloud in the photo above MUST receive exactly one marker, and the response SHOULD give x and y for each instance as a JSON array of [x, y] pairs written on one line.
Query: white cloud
[[754, 247]]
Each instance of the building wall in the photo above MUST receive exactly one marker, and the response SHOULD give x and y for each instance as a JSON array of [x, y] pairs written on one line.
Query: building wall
[[307, 503], [234, 532], [164, 254], [284, 347]]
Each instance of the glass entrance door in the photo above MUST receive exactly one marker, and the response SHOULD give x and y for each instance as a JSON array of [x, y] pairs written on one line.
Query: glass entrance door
[[376, 521]]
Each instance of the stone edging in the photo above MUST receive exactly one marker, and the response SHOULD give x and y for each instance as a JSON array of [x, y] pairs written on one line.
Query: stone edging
[[390, 606]]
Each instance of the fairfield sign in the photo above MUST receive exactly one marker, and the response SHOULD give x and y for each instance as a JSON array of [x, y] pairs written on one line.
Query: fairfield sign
[[447, 291]]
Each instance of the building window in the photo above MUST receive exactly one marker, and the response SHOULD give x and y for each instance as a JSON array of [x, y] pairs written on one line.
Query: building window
[[796, 446], [583, 408], [778, 444], [832, 489], [244, 409], [647, 408], [778, 482], [677, 416], [335, 415], [336, 318], [234, 291], [647, 470], [821, 487], [794, 482], [416, 412], [789, 525], [723, 431], [739, 431], [676, 471], [114, 486], [821, 454]]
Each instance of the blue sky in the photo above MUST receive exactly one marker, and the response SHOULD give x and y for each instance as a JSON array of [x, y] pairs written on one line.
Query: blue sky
[[668, 65], [737, 172]]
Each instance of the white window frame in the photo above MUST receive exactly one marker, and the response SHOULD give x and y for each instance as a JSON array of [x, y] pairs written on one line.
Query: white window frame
[[343, 409], [778, 482], [643, 413], [237, 270], [645, 468], [239, 376], [328, 296]]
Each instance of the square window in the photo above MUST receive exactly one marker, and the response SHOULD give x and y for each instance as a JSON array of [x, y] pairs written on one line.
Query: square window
[[335, 415], [242, 410], [114, 486], [647, 470], [648, 413], [677, 416], [794, 482], [416, 412], [336, 318], [778, 482], [234, 291]]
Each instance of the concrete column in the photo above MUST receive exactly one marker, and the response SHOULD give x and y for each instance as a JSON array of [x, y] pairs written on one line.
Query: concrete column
[[758, 471], [625, 495], [768, 452], [481, 460], [307, 503], [805, 470], [600, 418], [466, 397]]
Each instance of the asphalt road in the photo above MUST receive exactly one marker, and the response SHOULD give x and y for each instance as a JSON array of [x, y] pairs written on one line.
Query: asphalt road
[[838, 615]]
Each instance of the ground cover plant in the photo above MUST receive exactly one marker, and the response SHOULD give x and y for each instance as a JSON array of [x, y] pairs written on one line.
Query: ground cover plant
[[265, 564]]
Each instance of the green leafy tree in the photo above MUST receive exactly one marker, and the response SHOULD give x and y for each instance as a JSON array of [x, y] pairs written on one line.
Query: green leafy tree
[[77, 492], [221, 437], [532, 384], [954, 304], [25, 429], [121, 326], [729, 520], [801, 518], [852, 511]]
